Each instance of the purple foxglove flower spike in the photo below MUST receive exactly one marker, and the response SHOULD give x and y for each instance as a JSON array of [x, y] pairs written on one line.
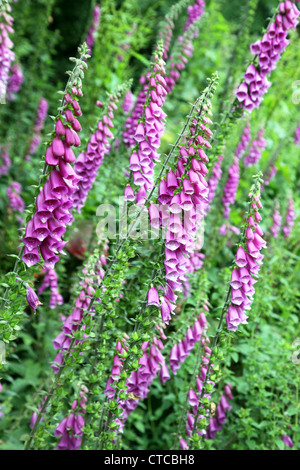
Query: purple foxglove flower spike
[[269, 49]]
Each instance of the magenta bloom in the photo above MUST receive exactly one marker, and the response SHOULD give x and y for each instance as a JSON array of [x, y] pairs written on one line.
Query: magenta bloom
[[287, 440], [153, 298], [32, 298]]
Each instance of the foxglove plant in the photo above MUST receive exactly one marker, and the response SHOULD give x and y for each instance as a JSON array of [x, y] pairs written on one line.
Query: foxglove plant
[[195, 12], [247, 265], [4, 160], [128, 102], [287, 440], [277, 219], [255, 152], [87, 163], [32, 298], [243, 144], [214, 180], [39, 123], [138, 383], [180, 351], [216, 423], [167, 27], [14, 82], [183, 49], [91, 37], [16, 202], [148, 133], [7, 56], [50, 280], [268, 50], [187, 191], [54, 202], [93, 273], [70, 429], [290, 218], [270, 174], [231, 187]]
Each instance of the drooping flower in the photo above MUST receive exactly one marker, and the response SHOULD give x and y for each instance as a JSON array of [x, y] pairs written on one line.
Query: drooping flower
[[287, 440], [70, 429], [32, 298]]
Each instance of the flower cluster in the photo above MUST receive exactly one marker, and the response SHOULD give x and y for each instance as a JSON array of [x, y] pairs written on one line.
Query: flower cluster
[[127, 102], [290, 217], [183, 196], [70, 429], [4, 160], [13, 192], [270, 174], [269, 49], [148, 133], [216, 423], [90, 39], [231, 187], [195, 11], [227, 228], [54, 202], [132, 120], [39, 123], [140, 380], [180, 351], [50, 280], [297, 136], [214, 180], [257, 147], [194, 397], [93, 275], [88, 162], [184, 47], [7, 56], [243, 144], [14, 82], [277, 219], [247, 265]]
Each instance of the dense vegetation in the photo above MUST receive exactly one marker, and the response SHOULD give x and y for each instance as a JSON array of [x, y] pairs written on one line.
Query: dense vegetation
[[149, 205]]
